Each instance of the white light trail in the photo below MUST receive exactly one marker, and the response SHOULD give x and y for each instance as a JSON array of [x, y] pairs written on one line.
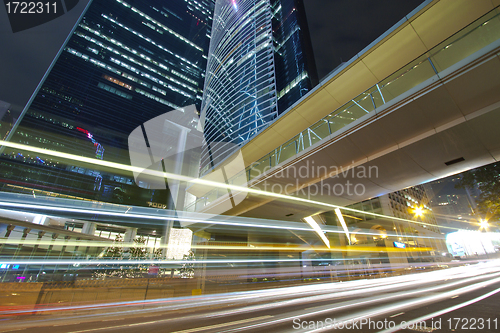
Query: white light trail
[[342, 222], [444, 311], [193, 180], [318, 230]]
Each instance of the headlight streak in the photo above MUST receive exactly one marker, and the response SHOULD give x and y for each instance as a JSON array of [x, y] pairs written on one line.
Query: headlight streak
[[377, 311], [197, 180], [146, 261], [273, 294], [420, 301], [363, 291], [444, 311], [171, 304], [406, 304], [220, 247], [286, 225], [245, 297], [308, 289]]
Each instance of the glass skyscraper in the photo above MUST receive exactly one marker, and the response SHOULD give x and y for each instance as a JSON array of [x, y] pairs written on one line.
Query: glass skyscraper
[[127, 61], [293, 56], [260, 62]]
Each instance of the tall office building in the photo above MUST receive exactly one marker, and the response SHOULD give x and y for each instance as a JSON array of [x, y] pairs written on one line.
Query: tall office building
[[454, 207], [127, 61], [260, 63], [410, 204]]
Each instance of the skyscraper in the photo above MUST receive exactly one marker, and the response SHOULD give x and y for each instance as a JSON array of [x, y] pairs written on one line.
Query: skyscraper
[[415, 227], [260, 62], [455, 207], [127, 61], [296, 72]]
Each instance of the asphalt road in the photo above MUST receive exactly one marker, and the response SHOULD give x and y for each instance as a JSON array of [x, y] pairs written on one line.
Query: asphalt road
[[459, 299]]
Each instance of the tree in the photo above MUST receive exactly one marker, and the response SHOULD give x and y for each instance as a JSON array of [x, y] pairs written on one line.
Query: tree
[[115, 251], [187, 269], [487, 180], [138, 252], [105, 270]]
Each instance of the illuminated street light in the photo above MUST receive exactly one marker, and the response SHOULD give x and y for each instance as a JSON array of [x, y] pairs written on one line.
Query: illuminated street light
[[483, 223], [419, 211]]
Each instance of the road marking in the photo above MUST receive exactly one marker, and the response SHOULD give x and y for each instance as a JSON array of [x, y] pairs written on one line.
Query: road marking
[[397, 314], [455, 296], [112, 327], [315, 307], [204, 328], [165, 320]]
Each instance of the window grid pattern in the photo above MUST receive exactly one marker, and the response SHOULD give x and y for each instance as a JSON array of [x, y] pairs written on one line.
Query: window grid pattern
[[240, 88]]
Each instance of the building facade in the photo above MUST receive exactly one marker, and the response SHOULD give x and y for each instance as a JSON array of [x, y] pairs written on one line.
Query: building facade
[[415, 231], [127, 61], [454, 207], [260, 63]]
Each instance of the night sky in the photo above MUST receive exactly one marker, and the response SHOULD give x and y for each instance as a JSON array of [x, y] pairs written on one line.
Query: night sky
[[26, 55], [342, 28]]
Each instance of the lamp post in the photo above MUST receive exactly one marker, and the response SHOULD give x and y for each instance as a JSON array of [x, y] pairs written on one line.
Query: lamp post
[[418, 211], [483, 224]]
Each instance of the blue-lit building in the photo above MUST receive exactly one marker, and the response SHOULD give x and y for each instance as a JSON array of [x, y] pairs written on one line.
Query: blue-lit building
[[127, 61], [260, 63], [295, 68]]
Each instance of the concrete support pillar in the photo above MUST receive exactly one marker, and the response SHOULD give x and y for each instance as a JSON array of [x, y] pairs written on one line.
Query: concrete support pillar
[[166, 235], [200, 238], [10, 227], [396, 259], [89, 228], [26, 231], [176, 187], [130, 234]]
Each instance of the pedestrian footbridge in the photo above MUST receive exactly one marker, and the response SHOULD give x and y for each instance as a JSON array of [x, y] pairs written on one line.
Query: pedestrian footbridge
[[420, 103]]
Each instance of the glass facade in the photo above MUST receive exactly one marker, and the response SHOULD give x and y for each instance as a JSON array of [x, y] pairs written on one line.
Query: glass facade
[[294, 60], [259, 64], [127, 61], [413, 226]]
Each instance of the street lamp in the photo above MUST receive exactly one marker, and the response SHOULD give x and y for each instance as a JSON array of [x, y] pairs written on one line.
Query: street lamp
[[483, 225], [419, 211]]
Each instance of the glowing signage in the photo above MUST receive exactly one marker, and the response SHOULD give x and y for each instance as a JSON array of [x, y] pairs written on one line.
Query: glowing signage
[[399, 245], [39, 219], [179, 243], [471, 243], [99, 148]]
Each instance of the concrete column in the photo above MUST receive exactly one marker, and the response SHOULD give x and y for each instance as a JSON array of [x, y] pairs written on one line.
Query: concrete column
[[130, 234], [10, 227], [166, 235], [396, 259], [175, 186], [89, 228]]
